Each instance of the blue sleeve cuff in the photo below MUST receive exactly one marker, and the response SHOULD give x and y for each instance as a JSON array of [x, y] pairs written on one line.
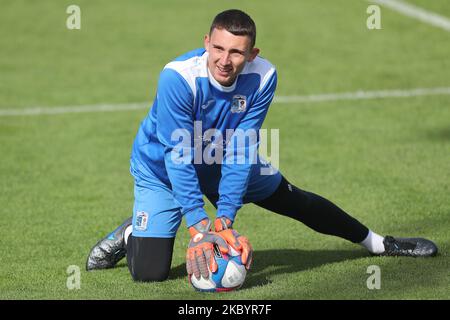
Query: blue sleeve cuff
[[226, 210], [194, 216]]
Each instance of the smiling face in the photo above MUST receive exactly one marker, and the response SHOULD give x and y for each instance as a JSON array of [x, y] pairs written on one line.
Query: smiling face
[[228, 54]]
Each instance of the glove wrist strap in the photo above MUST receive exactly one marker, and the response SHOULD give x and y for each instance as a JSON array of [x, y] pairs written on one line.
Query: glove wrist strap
[[200, 227], [222, 223]]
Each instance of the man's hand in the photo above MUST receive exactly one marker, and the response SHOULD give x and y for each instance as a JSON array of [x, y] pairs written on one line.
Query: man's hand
[[200, 253], [239, 243]]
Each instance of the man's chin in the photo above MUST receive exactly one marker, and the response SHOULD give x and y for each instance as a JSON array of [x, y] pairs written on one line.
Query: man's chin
[[225, 81]]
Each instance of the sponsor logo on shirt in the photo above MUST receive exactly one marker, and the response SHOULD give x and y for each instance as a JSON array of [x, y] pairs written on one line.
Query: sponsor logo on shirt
[[207, 104]]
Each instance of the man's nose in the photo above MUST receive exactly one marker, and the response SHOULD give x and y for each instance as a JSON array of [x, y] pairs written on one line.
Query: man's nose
[[225, 59]]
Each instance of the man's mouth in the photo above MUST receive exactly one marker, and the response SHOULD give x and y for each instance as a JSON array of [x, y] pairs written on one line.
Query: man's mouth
[[224, 72]]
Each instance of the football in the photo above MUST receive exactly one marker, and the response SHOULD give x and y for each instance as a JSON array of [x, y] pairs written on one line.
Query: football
[[230, 274]]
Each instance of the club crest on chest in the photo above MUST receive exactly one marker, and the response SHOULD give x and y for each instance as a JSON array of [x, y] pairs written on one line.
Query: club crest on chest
[[238, 104]]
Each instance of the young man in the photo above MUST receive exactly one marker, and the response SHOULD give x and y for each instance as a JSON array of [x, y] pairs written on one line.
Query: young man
[[201, 96]]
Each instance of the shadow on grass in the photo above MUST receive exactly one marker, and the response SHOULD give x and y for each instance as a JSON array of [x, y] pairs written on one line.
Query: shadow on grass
[[273, 262], [441, 134]]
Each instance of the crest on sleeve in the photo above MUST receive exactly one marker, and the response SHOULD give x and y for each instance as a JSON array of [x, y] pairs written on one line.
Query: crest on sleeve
[[239, 104]]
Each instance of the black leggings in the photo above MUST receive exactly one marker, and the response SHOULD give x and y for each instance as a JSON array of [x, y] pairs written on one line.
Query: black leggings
[[314, 211], [149, 259]]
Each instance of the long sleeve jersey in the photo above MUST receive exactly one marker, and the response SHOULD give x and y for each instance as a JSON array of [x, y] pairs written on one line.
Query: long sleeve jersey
[[193, 116]]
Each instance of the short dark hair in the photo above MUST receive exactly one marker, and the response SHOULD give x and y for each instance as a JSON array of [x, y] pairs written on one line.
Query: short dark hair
[[236, 22]]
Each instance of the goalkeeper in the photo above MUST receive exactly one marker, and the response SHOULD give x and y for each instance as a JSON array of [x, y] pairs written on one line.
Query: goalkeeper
[[201, 96]]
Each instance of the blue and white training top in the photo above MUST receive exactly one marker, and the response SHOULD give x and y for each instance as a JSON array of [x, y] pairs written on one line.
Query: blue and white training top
[[190, 117]]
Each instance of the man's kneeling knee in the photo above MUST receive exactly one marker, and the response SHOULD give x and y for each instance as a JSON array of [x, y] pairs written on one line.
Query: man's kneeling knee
[[149, 259]]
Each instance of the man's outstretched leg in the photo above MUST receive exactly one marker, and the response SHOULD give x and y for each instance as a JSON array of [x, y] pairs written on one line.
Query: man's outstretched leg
[[111, 249], [325, 217]]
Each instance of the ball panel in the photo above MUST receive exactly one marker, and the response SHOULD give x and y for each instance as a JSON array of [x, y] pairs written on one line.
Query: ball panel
[[234, 275], [202, 283], [233, 252]]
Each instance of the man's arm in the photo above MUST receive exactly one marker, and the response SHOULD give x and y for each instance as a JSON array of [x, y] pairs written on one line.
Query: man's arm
[[235, 176], [175, 121]]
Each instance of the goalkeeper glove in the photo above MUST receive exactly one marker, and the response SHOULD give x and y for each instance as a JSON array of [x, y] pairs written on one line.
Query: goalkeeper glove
[[223, 227], [200, 252]]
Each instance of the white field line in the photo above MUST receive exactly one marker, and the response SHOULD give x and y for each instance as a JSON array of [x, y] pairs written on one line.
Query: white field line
[[357, 95], [364, 95], [35, 111], [416, 12]]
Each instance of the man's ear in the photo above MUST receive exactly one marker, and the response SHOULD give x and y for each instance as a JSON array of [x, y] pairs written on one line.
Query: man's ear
[[206, 42], [253, 53]]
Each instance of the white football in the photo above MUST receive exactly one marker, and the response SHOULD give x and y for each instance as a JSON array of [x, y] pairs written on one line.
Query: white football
[[230, 274]]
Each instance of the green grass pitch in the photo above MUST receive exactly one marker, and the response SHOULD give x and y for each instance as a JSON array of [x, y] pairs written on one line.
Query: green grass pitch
[[64, 179]]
